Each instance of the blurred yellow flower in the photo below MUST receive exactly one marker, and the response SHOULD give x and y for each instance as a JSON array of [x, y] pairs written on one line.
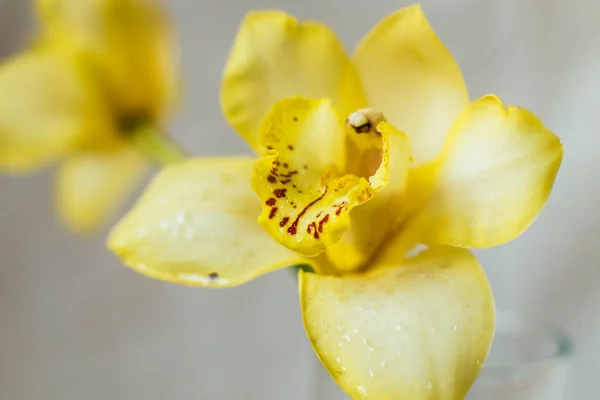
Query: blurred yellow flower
[[349, 190], [98, 75]]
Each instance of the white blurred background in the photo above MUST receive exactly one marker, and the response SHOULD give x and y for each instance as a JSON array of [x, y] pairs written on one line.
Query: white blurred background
[[75, 324]]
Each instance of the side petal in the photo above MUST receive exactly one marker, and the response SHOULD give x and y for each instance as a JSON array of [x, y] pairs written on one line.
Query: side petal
[[273, 57], [46, 108], [92, 186], [410, 76], [196, 225], [421, 330], [131, 41], [495, 175], [301, 181]]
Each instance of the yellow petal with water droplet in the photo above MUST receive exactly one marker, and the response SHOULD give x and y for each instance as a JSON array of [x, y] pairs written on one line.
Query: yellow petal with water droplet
[[196, 225], [420, 330]]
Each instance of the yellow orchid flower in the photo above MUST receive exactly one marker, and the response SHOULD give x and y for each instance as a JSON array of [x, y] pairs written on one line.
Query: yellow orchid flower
[[91, 92], [349, 190]]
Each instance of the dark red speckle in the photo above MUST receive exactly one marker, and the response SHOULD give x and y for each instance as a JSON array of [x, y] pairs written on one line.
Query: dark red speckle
[[271, 202], [213, 276], [312, 228], [293, 229], [340, 207], [285, 165], [269, 147], [273, 212], [284, 221], [279, 193], [290, 147], [284, 181], [272, 179], [289, 175], [322, 222]]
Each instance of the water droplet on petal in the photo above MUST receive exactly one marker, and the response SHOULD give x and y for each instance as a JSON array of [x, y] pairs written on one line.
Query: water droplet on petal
[[190, 233], [371, 373], [362, 390], [355, 330], [383, 364], [182, 217], [398, 328], [346, 338], [454, 328], [164, 225]]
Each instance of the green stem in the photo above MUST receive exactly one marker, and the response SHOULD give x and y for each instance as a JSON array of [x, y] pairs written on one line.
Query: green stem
[[294, 269], [156, 146]]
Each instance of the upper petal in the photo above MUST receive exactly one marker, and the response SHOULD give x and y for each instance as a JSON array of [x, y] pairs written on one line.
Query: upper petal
[[131, 43], [409, 75], [47, 108], [91, 186], [495, 175], [196, 225], [421, 330], [304, 181], [273, 57]]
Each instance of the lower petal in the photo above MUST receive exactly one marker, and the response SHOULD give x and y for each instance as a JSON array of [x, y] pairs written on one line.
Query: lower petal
[[92, 186], [196, 225], [421, 330]]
